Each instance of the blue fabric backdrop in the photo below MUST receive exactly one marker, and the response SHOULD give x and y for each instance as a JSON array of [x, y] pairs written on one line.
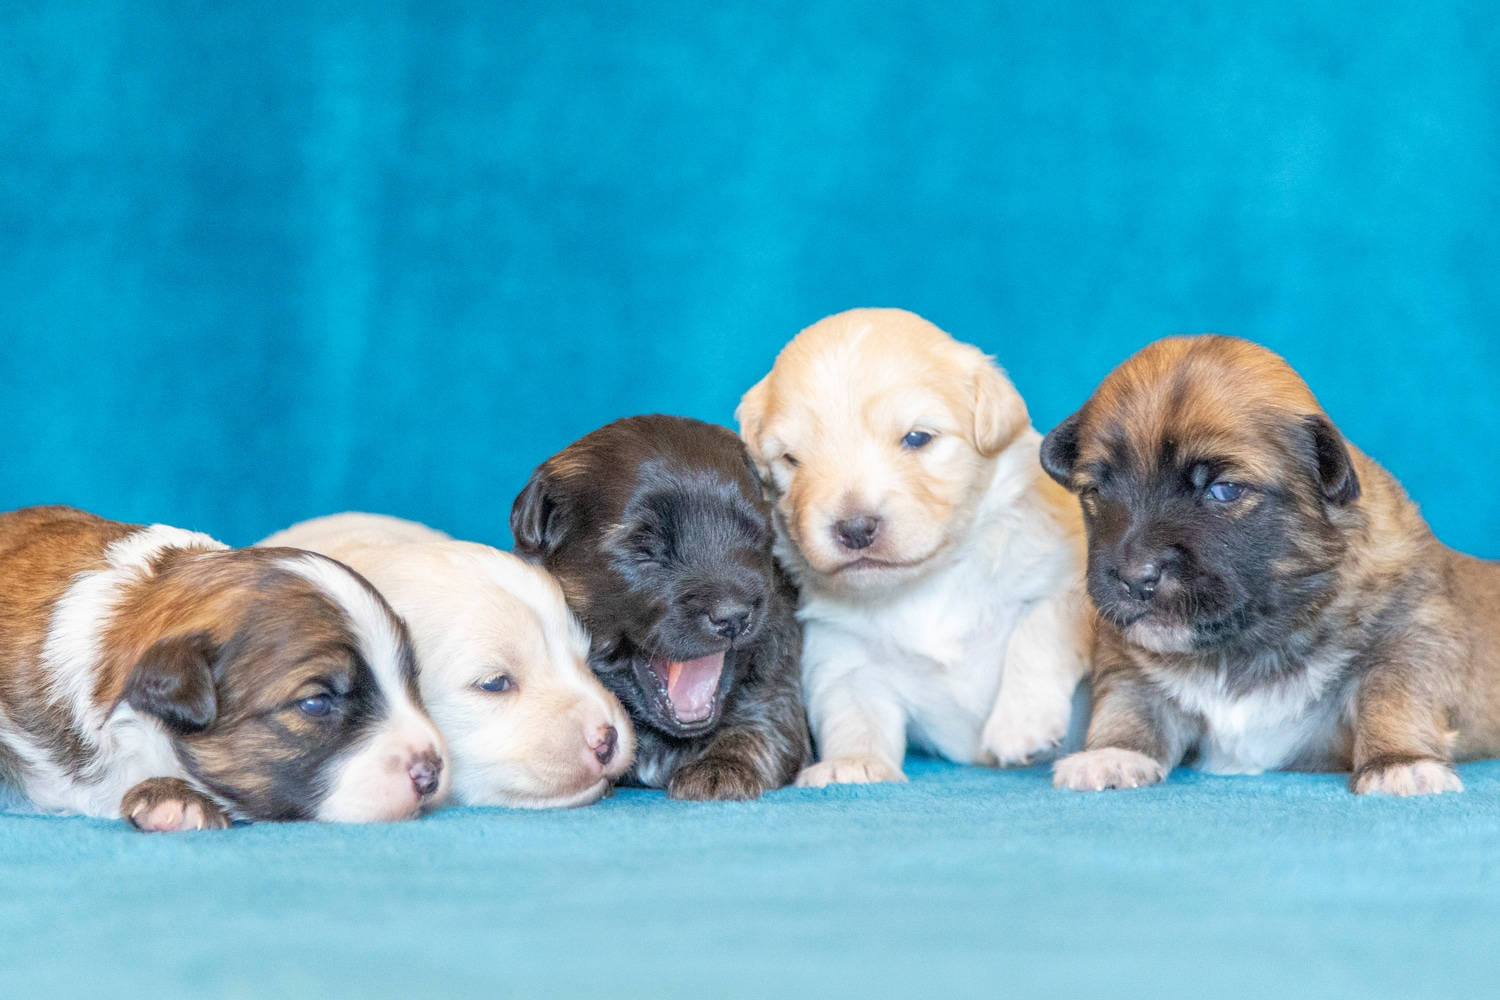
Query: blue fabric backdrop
[[264, 261]]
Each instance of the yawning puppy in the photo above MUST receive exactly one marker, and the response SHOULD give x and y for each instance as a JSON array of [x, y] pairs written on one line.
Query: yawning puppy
[[658, 533], [1270, 597], [503, 665], [941, 573], [152, 673]]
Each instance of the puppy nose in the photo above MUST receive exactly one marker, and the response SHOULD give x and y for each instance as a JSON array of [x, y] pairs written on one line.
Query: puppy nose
[[729, 618], [1140, 579], [606, 739], [425, 770], [857, 532]]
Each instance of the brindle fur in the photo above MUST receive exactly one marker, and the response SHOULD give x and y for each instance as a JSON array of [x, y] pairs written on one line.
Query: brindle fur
[[1322, 579]]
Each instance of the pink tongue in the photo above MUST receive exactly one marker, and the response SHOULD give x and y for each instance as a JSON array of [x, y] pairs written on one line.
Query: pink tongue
[[691, 685]]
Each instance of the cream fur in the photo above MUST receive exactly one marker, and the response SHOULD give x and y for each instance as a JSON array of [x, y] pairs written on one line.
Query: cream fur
[[970, 634], [475, 612]]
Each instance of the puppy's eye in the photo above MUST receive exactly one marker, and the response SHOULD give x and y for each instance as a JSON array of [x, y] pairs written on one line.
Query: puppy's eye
[[790, 459], [915, 440], [1225, 492], [317, 706], [497, 684]]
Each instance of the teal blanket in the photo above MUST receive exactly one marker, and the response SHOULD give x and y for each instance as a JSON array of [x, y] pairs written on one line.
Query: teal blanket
[[964, 883]]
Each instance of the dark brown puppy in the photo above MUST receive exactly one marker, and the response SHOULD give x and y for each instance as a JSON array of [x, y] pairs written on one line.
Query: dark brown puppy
[[658, 533], [1269, 597]]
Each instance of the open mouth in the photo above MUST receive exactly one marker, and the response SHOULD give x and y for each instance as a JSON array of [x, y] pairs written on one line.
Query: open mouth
[[690, 687]]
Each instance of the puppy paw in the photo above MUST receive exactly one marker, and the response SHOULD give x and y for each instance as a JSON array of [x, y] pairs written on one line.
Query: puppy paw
[[1016, 734], [1417, 777], [715, 779], [1112, 767], [849, 771], [170, 805]]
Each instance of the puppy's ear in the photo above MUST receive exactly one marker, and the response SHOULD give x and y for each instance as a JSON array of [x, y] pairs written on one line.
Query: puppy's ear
[[534, 517], [1060, 451], [1335, 466], [999, 412], [751, 414], [173, 681]]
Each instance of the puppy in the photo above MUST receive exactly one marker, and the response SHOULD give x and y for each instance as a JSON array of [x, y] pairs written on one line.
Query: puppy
[[151, 673], [1270, 598], [502, 664], [940, 571], [658, 533]]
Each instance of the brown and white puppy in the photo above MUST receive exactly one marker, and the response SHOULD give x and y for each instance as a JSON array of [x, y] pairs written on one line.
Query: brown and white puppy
[[1270, 598], [154, 674], [503, 664], [941, 572]]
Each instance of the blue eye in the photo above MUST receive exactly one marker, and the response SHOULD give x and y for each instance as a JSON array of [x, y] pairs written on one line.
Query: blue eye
[[915, 440], [1225, 492], [317, 706], [496, 684]]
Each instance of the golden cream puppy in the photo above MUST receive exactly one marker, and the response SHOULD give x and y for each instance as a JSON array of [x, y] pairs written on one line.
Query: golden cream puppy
[[502, 664], [941, 571]]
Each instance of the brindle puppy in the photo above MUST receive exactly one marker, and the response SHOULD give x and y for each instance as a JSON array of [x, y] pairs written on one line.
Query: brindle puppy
[[658, 533], [1269, 597]]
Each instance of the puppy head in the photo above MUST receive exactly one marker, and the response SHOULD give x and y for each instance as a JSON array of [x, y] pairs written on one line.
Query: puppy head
[[287, 684], [1211, 484], [658, 534], [874, 433], [504, 672]]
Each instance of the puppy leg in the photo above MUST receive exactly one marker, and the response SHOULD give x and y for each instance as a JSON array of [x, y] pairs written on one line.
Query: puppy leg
[[1044, 661], [1134, 738], [160, 805], [859, 726], [1401, 739]]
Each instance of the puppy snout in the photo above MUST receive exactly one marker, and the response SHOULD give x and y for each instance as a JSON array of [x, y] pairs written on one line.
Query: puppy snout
[[729, 618], [1139, 579], [857, 532], [426, 771], [605, 741]]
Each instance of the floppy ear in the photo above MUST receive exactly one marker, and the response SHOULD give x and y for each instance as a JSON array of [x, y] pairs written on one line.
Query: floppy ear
[[173, 681], [1335, 467], [751, 414], [534, 520], [999, 412], [1060, 451]]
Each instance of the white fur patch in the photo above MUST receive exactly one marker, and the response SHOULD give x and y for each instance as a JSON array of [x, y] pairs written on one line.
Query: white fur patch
[[1264, 729], [1112, 767], [1423, 777]]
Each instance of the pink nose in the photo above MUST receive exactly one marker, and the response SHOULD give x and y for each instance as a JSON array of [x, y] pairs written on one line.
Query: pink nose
[[426, 772], [606, 740]]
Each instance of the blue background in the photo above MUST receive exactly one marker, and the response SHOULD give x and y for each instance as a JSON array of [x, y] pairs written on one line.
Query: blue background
[[265, 261], [260, 262]]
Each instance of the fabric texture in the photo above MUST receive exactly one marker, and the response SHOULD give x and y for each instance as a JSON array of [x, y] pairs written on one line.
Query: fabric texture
[[260, 262]]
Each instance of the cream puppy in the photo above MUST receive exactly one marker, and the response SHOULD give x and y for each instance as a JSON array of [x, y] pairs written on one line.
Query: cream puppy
[[941, 570], [502, 664]]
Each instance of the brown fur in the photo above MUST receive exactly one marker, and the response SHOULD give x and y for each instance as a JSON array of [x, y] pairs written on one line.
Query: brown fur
[[225, 632], [1413, 626]]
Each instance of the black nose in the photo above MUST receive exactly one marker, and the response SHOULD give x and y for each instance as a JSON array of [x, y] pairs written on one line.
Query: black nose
[[1139, 580], [607, 740], [857, 532], [425, 770], [729, 618]]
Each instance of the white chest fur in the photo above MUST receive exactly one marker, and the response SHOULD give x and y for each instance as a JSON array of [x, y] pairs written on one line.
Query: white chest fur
[[1290, 721]]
